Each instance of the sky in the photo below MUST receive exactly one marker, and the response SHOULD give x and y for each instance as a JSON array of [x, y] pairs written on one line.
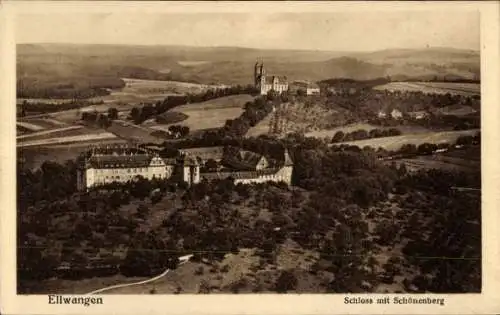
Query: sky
[[330, 31]]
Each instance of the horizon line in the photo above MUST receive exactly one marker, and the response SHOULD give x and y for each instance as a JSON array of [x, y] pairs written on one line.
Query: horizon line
[[249, 48]]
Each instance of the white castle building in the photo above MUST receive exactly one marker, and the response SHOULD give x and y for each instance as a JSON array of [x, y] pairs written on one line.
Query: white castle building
[[105, 165]]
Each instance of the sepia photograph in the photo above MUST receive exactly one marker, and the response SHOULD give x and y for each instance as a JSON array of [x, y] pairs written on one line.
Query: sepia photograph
[[151, 149], [252, 152]]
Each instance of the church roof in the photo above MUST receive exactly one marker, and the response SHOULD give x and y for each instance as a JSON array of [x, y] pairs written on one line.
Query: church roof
[[280, 79]]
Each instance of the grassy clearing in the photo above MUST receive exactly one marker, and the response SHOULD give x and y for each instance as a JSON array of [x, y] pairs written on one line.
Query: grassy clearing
[[466, 89], [210, 114], [395, 143], [35, 156]]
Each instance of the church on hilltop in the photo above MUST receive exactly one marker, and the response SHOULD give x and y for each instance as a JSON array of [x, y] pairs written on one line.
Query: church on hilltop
[[264, 83], [121, 164]]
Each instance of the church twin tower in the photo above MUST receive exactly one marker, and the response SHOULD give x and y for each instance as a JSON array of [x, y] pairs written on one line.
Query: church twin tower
[[266, 83]]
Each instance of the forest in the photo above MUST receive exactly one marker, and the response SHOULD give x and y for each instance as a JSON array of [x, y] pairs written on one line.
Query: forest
[[337, 194]]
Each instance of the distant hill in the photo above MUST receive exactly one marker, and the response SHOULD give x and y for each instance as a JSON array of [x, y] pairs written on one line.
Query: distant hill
[[234, 65]]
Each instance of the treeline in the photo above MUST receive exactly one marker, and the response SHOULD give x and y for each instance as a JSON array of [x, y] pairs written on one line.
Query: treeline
[[362, 134], [72, 88], [148, 111]]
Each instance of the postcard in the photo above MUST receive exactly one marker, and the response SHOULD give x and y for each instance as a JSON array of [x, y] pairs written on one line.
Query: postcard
[[249, 158]]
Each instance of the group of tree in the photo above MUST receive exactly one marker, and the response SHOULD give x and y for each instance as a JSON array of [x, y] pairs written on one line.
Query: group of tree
[[102, 120], [362, 134], [179, 131], [339, 186]]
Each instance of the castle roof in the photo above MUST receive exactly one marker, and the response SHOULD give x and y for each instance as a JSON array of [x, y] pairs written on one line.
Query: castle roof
[[120, 161], [243, 160], [205, 153], [239, 175]]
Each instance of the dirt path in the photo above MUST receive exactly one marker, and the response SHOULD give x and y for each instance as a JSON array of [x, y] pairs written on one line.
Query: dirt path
[[182, 259]]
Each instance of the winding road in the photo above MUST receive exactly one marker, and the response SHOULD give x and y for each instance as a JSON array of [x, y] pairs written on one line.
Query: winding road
[[183, 260]]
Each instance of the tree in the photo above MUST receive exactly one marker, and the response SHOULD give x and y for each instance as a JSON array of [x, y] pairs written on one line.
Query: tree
[[112, 113], [286, 281], [184, 131], [338, 137]]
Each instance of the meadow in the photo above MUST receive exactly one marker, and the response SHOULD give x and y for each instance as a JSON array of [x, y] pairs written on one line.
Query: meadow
[[210, 114]]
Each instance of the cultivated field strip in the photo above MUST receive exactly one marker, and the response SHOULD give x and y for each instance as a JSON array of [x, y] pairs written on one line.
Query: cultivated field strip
[[30, 126], [69, 139], [46, 132]]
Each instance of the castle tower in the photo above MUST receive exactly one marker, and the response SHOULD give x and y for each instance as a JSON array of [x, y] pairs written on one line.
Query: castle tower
[[189, 170]]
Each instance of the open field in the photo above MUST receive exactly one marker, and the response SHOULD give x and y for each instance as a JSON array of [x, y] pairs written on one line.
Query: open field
[[395, 143], [137, 91], [210, 114], [466, 160], [466, 89], [129, 131], [34, 156]]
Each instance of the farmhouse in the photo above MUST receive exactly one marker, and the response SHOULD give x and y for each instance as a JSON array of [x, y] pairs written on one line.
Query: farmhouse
[[396, 114], [264, 83], [309, 88], [381, 114], [104, 165], [418, 114]]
